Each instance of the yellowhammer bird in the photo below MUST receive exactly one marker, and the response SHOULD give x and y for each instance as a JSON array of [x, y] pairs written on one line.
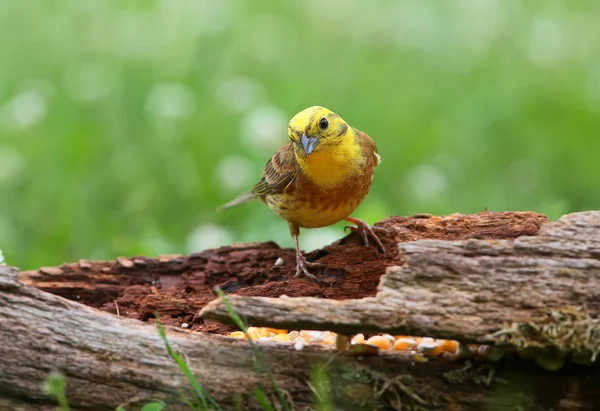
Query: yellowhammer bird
[[318, 178]]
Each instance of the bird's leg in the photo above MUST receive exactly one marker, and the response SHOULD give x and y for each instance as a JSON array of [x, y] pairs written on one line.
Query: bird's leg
[[301, 263], [366, 231]]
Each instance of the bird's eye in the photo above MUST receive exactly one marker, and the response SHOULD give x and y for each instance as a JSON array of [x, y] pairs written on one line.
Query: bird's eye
[[323, 123]]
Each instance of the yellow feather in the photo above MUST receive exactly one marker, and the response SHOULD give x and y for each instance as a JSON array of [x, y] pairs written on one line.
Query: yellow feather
[[334, 163], [338, 154], [319, 178]]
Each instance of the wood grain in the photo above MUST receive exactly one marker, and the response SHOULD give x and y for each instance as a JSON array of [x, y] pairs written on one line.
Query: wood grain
[[461, 290], [109, 361]]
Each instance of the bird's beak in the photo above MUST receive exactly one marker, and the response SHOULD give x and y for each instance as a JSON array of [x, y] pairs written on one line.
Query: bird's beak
[[308, 143]]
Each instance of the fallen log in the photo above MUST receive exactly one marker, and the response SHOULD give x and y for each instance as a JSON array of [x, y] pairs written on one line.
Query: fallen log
[[110, 360], [455, 289], [178, 286]]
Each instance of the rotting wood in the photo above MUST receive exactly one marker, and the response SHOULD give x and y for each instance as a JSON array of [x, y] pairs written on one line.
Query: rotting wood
[[178, 286], [109, 361], [461, 290]]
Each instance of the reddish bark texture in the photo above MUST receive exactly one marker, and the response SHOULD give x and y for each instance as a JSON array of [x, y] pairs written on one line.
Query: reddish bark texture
[[177, 287]]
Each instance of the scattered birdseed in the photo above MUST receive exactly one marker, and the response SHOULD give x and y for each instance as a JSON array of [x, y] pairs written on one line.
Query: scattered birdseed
[[421, 348]]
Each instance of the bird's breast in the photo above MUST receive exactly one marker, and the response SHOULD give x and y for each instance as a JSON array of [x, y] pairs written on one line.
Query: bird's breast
[[330, 168], [309, 205]]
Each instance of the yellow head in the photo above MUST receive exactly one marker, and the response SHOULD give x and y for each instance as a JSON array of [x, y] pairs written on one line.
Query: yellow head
[[317, 129], [326, 147]]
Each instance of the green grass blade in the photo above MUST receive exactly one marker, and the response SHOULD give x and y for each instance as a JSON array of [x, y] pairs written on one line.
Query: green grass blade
[[204, 397], [262, 399], [232, 314], [56, 386], [321, 388], [187, 401], [154, 406], [259, 361]]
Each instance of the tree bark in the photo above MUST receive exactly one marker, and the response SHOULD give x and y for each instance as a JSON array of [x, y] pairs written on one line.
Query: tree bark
[[109, 361], [462, 289], [178, 286]]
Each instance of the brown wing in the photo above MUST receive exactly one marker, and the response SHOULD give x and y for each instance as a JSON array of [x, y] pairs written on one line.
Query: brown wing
[[279, 172], [369, 148]]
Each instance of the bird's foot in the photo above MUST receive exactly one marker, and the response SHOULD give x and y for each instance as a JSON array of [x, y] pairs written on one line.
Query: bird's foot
[[365, 230], [301, 267]]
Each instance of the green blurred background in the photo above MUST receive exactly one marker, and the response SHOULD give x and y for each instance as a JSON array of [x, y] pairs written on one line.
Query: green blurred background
[[124, 124]]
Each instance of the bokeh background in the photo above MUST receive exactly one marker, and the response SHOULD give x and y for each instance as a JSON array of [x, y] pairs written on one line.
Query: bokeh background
[[123, 125]]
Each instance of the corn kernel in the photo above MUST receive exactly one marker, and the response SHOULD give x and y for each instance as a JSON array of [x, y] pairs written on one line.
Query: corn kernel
[[299, 343], [405, 343], [253, 333], [329, 340], [358, 339], [281, 338], [450, 346], [430, 347], [434, 352], [311, 336], [380, 341], [237, 334], [275, 331]]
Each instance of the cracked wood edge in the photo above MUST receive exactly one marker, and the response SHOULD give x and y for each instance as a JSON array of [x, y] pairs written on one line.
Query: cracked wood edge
[[178, 286], [461, 290], [109, 360]]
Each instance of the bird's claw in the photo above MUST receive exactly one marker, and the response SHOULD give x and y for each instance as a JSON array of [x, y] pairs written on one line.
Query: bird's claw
[[365, 230], [301, 267]]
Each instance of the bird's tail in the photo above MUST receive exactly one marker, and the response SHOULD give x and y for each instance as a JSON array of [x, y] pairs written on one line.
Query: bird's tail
[[241, 199]]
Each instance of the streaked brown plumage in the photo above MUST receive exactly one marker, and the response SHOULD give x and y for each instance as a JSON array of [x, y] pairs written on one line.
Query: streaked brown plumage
[[319, 177]]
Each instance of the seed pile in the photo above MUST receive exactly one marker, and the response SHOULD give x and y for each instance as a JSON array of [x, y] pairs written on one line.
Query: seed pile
[[421, 347]]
